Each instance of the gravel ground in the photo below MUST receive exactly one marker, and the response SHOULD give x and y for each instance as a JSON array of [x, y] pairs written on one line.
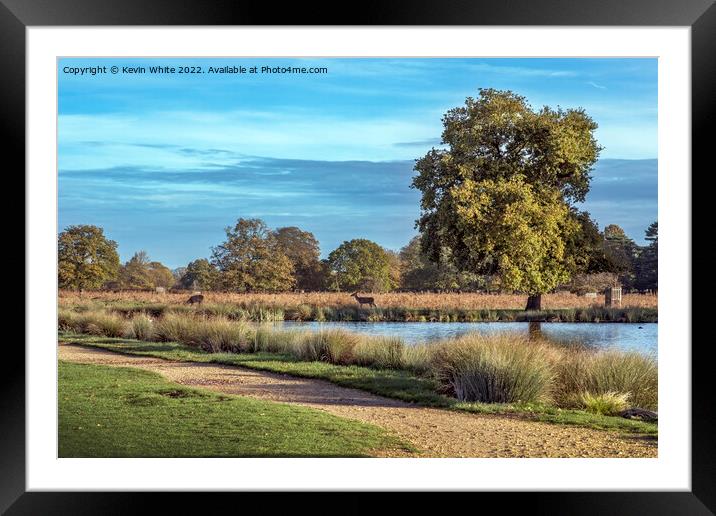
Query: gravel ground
[[435, 432]]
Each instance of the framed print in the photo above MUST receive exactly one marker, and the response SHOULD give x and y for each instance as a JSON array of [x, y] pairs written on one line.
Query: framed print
[[414, 250]]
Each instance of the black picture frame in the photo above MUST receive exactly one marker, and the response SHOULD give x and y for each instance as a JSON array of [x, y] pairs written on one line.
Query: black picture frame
[[700, 15]]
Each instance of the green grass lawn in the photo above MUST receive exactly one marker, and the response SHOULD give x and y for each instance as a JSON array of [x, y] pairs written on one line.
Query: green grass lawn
[[398, 384], [124, 412]]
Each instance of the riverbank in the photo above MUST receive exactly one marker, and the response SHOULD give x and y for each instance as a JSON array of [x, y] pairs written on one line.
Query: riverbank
[[429, 432], [540, 380], [343, 313]]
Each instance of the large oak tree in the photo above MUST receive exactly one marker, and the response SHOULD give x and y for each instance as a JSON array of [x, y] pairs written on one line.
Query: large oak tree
[[499, 196]]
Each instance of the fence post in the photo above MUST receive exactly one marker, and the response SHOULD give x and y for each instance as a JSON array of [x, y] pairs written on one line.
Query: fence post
[[613, 297]]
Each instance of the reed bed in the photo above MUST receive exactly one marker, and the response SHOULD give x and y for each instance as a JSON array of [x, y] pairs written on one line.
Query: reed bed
[[502, 368], [304, 312], [337, 300]]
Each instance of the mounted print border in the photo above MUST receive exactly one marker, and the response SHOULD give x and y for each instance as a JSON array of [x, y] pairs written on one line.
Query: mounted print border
[[17, 15]]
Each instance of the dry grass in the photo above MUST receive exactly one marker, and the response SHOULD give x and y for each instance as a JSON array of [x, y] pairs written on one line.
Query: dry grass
[[495, 368], [499, 368], [413, 300]]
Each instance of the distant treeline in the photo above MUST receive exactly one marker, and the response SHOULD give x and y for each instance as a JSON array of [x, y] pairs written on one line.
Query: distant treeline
[[255, 258]]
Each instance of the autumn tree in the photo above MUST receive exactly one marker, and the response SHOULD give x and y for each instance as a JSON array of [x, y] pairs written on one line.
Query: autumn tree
[[160, 275], [200, 274], [140, 272], [134, 274], [86, 259], [395, 268], [499, 196], [301, 247], [360, 264], [251, 260]]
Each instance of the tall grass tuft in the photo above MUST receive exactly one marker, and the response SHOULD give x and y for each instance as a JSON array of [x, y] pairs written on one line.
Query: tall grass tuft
[[502, 368], [606, 404], [380, 352], [222, 335], [95, 323], [142, 327], [494, 369], [174, 328], [419, 357], [334, 346], [597, 373]]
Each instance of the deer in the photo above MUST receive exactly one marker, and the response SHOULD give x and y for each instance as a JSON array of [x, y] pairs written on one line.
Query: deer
[[195, 299], [364, 300]]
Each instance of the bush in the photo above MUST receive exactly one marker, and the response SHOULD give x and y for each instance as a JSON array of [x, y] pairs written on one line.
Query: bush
[[606, 404], [494, 369]]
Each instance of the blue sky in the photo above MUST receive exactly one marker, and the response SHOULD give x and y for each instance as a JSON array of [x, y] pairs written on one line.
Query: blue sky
[[164, 162]]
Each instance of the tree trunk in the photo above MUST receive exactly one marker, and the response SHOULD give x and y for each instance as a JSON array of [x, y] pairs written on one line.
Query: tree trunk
[[534, 302]]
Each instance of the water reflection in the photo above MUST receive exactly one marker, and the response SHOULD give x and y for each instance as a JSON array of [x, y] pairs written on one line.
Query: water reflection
[[640, 337]]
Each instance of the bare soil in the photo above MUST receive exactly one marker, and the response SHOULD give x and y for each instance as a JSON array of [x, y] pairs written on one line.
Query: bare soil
[[434, 432]]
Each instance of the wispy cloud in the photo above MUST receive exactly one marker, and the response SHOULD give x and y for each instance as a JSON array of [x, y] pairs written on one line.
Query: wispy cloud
[[420, 143], [164, 163], [337, 200]]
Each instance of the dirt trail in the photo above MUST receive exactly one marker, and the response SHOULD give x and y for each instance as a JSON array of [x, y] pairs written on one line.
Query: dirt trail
[[435, 432]]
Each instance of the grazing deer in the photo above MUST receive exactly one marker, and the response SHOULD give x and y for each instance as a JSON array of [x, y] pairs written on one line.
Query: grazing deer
[[364, 300], [195, 299]]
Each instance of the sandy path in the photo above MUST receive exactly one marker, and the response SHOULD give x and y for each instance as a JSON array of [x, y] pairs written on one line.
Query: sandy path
[[437, 433]]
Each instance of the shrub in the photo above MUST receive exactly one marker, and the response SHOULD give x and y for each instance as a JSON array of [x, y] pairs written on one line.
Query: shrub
[[606, 404], [494, 369]]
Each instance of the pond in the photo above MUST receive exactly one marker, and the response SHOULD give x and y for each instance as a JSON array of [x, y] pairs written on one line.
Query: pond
[[640, 337]]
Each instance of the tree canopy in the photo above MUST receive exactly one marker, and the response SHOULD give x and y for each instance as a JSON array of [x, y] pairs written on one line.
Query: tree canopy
[[251, 260], [647, 265], [200, 274], [141, 273], [499, 196], [135, 273], [86, 258], [301, 247], [360, 264]]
